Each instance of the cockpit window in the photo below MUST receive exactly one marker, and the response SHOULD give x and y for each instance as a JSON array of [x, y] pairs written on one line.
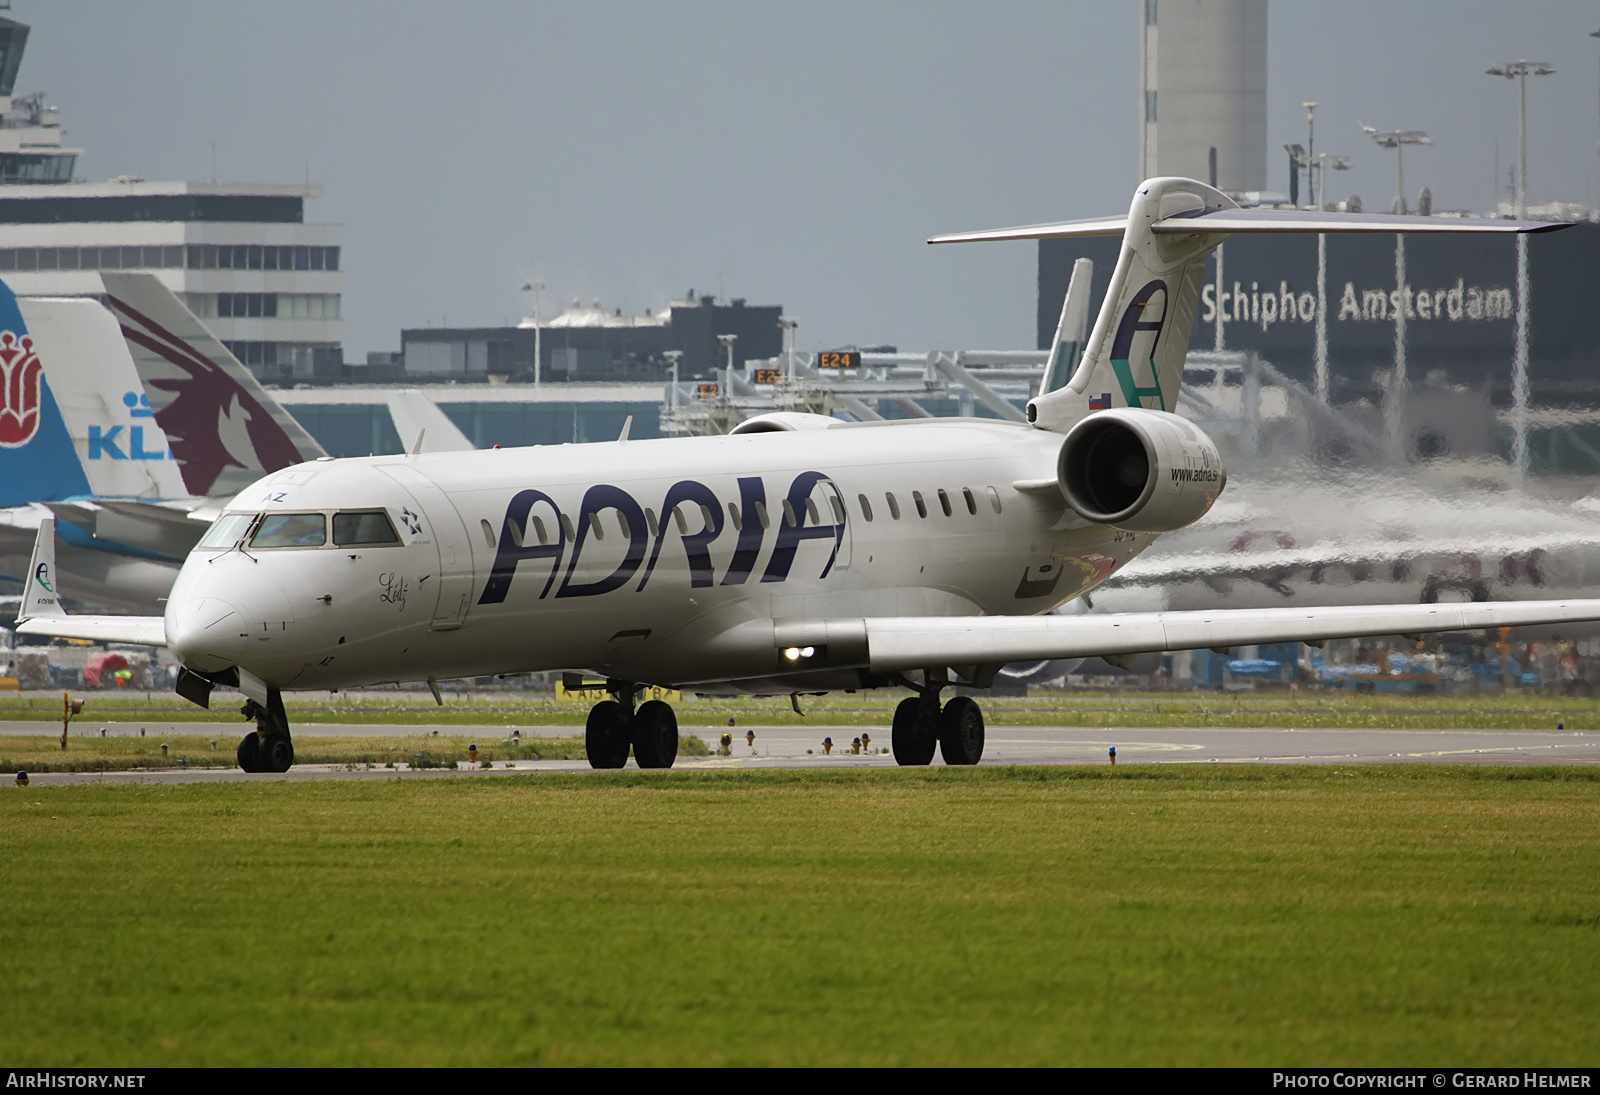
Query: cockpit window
[[288, 530], [350, 529], [226, 531]]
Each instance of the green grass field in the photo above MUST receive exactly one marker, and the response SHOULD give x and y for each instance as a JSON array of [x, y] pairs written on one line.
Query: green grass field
[[1309, 710], [1165, 915]]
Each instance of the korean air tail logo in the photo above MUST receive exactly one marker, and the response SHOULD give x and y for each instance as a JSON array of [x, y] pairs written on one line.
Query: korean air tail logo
[[20, 395], [1146, 314]]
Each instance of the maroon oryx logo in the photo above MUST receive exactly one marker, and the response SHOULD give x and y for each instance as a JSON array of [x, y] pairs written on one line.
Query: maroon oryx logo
[[20, 385]]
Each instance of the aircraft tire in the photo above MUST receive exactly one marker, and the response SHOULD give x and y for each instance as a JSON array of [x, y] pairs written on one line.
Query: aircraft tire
[[249, 754], [911, 737], [655, 735], [961, 731], [277, 754], [606, 734]]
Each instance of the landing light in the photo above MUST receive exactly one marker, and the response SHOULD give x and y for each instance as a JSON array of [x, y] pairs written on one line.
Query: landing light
[[795, 653]]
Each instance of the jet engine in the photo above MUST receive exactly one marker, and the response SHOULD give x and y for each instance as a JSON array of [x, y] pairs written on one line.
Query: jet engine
[[1139, 470]]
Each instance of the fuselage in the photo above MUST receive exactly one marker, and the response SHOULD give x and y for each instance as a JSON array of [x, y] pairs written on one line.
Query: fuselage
[[675, 561]]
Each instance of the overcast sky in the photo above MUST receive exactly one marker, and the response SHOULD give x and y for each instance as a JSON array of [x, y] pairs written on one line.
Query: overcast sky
[[793, 154]]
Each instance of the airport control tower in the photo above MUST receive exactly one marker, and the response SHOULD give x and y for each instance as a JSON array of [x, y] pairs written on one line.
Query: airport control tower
[[1205, 95]]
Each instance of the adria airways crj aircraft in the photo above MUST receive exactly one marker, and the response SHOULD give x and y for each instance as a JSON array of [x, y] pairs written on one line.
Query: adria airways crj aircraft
[[798, 555]]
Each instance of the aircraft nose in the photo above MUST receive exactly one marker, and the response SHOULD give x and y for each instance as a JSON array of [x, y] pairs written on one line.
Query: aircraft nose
[[207, 633]]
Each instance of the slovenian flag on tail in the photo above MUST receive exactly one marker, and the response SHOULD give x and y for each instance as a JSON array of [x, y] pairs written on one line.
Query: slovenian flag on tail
[[1100, 402]]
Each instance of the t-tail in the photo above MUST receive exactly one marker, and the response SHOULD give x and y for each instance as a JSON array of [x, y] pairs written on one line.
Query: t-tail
[[1135, 353], [225, 430]]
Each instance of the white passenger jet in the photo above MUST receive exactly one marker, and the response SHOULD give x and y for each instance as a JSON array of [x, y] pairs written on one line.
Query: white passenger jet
[[798, 555]]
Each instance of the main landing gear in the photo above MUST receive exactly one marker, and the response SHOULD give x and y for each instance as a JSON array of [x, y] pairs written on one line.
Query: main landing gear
[[614, 726], [267, 748], [922, 722]]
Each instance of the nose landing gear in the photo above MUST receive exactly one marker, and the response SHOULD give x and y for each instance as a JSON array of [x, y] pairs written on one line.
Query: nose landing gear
[[613, 726], [921, 722], [268, 748]]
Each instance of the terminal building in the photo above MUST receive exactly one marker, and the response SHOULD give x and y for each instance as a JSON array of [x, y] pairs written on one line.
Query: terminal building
[[589, 344]]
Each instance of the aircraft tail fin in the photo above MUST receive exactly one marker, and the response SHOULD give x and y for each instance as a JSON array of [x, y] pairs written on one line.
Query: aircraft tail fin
[[39, 596], [41, 613], [1134, 355], [37, 461], [123, 451], [419, 421], [1067, 349], [225, 430]]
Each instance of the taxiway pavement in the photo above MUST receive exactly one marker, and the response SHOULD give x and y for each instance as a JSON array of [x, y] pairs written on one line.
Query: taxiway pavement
[[802, 747]]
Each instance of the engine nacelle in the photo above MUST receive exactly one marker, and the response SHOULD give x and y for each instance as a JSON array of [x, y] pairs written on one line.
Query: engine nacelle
[[1139, 470]]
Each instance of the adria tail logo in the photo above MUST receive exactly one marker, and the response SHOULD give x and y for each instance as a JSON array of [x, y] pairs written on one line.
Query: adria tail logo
[[1137, 337], [20, 390]]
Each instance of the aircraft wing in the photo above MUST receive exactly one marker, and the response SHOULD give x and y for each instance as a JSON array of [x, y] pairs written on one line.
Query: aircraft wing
[[1161, 568], [899, 644]]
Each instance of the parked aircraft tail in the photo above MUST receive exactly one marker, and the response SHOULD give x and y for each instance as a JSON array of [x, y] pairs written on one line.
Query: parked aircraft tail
[[422, 426], [119, 445], [1067, 350], [1135, 354], [70, 416], [225, 430]]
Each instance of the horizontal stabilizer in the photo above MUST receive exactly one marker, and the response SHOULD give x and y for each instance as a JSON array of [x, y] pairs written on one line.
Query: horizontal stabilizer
[[901, 644], [1235, 222], [136, 630], [1094, 226]]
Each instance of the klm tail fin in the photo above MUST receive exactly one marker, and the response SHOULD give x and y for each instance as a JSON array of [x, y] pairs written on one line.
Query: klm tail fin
[[225, 429], [1067, 349], [122, 450]]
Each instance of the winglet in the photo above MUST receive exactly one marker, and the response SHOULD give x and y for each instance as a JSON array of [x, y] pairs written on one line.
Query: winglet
[[39, 596]]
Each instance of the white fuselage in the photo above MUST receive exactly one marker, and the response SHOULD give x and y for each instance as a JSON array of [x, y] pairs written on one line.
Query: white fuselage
[[571, 557]]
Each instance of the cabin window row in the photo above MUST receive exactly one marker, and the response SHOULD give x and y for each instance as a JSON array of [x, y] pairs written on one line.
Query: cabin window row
[[944, 501]]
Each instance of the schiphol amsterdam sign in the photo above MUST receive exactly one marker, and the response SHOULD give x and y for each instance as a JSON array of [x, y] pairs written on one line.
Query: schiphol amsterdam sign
[[1460, 302]]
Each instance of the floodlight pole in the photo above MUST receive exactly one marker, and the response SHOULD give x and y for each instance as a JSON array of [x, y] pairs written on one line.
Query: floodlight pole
[[536, 288], [1520, 70], [1311, 151]]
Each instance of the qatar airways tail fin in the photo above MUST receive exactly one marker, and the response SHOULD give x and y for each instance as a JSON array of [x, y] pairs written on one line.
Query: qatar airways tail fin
[[225, 430]]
